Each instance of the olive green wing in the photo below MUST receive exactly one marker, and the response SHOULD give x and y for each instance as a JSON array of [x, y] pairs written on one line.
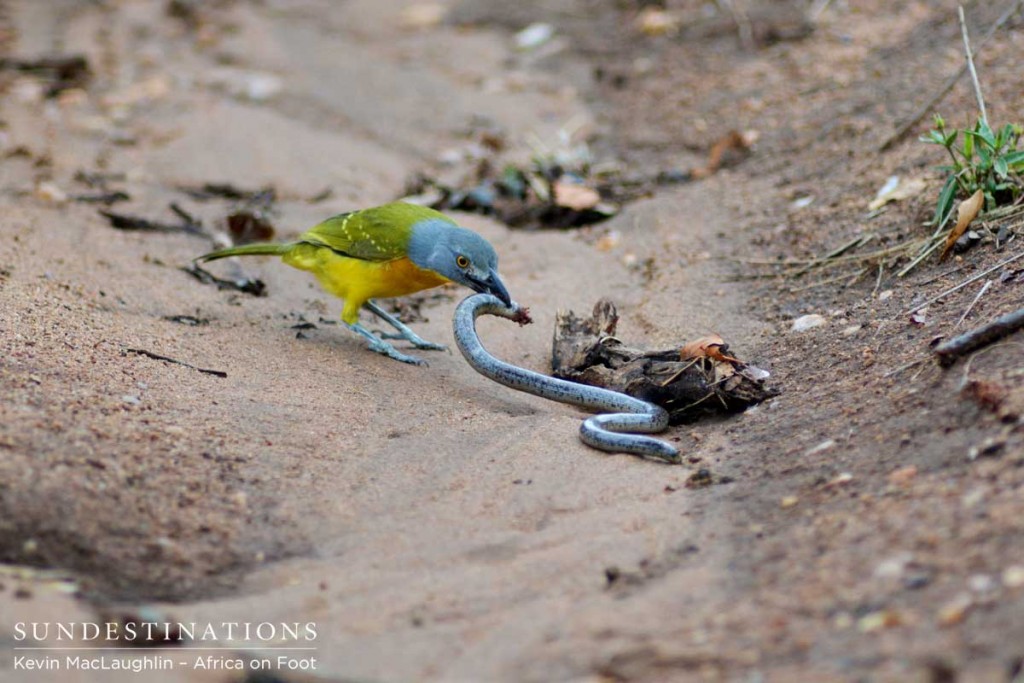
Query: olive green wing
[[378, 234]]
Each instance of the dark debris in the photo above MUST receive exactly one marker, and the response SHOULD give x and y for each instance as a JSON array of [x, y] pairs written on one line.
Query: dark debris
[[63, 72], [123, 221], [253, 286]]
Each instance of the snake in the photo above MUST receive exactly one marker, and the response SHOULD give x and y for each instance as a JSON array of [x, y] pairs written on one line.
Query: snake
[[622, 420]]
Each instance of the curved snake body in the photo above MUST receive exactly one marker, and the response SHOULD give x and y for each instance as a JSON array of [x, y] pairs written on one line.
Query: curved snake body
[[613, 430]]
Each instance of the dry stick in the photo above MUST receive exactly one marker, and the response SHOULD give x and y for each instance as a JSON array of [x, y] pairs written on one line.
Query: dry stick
[[743, 26], [948, 85], [905, 366], [957, 347], [963, 284], [821, 283], [939, 276], [166, 359], [855, 242], [817, 9], [970, 64], [988, 283], [920, 257]]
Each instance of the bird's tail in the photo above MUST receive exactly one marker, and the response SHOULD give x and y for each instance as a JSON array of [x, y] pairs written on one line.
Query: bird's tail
[[264, 249]]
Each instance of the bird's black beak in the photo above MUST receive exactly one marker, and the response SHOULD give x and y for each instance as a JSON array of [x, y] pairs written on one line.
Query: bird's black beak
[[492, 284]]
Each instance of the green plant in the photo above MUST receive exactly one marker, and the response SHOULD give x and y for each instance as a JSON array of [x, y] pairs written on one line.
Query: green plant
[[985, 160]]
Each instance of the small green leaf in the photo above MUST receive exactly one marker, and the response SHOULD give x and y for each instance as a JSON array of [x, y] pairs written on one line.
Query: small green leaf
[[986, 133], [1002, 169], [985, 155], [1015, 160], [950, 138], [945, 200], [1006, 135], [968, 145], [940, 122]]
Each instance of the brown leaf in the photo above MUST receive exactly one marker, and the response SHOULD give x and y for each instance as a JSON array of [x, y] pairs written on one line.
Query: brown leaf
[[706, 347], [728, 150], [965, 213]]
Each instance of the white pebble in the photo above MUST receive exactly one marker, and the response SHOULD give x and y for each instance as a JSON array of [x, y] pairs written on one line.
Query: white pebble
[[809, 322]]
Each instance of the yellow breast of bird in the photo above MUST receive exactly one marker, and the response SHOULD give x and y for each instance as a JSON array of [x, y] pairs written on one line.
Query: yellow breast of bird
[[351, 278]]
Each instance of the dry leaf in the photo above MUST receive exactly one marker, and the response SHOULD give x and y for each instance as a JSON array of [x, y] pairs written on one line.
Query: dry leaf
[[706, 347], [727, 151], [575, 196], [965, 213], [894, 190]]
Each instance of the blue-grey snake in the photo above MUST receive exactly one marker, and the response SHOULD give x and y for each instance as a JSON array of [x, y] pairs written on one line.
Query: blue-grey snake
[[609, 431]]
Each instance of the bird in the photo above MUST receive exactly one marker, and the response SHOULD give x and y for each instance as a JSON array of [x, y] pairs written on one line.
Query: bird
[[381, 252]]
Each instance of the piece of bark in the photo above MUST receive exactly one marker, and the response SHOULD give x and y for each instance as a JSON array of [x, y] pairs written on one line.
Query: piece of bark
[[585, 351]]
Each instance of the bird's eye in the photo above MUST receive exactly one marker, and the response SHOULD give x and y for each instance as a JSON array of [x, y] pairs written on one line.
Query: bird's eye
[[461, 261]]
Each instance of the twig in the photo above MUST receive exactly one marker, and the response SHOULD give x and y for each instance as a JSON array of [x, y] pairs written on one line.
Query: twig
[[839, 251], [964, 283], [988, 283], [816, 10], [123, 221], [902, 131], [939, 276], [821, 283], [905, 366], [920, 257], [157, 356], [970, 64], [743, 25], [957, 347]]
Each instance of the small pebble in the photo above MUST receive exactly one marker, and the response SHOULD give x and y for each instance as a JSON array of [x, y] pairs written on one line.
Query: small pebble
[[49, 192], [893, 567], [903, 475], [802, 202], [131, 400], [422, 15], [876, 621], [821, 447], [1013, 576], [972, 498], [954, 611], [842, 479], [981, 583], [789, 501], [809, 322], [534, 36]]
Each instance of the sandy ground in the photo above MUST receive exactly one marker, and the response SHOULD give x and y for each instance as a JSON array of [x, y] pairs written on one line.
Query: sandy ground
[[434, 525]]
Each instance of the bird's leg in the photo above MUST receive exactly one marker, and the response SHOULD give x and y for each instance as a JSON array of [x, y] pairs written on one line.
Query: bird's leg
[[382, 347], [403, 330]]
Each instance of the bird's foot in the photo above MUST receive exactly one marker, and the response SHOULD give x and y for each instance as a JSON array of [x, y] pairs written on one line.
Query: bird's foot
[[414, 339], [403, 331], [385, 349], [378, 345]]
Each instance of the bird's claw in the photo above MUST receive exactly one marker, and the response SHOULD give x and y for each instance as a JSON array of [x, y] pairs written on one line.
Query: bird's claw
[[385, 349], [414, 339]]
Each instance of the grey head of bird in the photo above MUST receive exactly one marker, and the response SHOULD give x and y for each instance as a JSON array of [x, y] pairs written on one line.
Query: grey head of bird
[[458, 254]]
